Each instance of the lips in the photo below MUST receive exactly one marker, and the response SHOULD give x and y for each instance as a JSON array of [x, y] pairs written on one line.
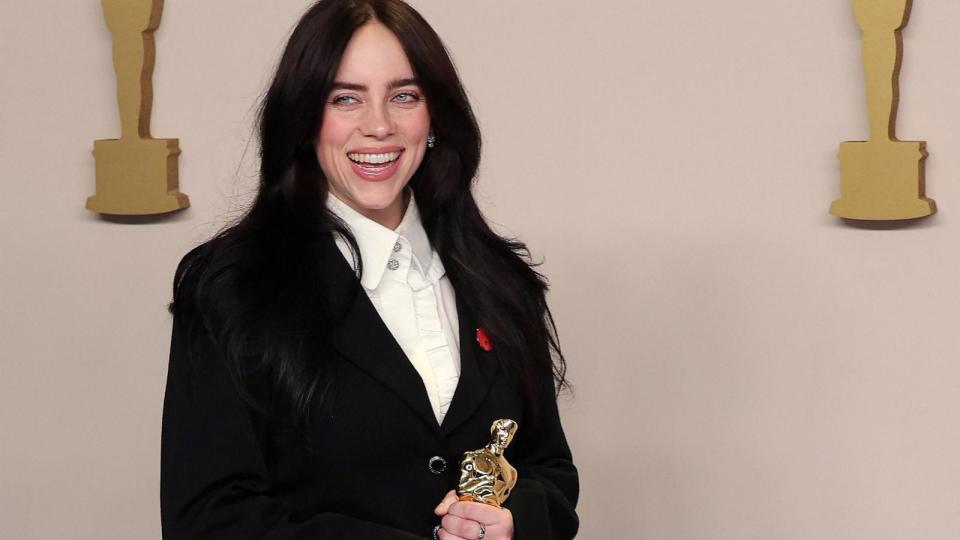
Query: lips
[[375, 164]]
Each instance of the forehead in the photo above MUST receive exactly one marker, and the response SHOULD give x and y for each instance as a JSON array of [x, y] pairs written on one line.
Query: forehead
[[374, 54]]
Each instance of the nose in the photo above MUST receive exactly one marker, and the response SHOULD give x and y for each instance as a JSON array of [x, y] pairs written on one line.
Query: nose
[[377, 122]]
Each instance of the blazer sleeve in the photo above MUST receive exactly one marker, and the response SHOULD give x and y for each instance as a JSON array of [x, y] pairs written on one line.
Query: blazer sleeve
[[214, 483], [544, 500]]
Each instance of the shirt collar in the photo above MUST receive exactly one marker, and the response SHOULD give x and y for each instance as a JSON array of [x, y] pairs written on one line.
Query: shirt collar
[[411, 228], [376, 242]]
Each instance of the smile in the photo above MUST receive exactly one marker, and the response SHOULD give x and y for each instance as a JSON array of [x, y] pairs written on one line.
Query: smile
[[373, 159], [375, 166]]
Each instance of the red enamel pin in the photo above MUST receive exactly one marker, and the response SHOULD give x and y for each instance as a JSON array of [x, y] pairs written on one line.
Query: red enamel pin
[[484, 340]]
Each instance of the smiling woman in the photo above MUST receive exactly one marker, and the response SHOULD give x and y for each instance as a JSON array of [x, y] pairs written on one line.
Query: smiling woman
[[360, 328], [375, 126]]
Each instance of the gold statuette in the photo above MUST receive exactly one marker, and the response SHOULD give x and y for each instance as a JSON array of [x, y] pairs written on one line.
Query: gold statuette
[[485, 475], [136, 174], [882, 178]]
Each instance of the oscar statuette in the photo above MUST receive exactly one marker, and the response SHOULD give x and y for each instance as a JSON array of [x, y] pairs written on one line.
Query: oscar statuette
[[882, 178], [485, 475], [136, 174]]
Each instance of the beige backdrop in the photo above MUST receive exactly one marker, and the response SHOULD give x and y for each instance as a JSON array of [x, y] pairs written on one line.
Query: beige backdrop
[[747, 367]]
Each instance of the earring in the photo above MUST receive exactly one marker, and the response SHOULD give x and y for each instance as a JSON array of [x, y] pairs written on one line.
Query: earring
[[431, 140]]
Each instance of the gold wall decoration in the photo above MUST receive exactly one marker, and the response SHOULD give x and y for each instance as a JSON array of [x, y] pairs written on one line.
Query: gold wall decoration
[[136, 174], [882, 178]]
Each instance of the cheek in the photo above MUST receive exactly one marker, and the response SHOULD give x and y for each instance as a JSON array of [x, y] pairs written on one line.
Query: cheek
[[418, 124], [333, 136]]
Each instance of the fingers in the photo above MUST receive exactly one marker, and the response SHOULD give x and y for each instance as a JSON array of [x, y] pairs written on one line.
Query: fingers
[[444, 506], [481, 513], [463, 520], [460, 527]]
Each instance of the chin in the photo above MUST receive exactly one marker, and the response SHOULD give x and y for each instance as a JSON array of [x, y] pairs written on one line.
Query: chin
[[378, 201]]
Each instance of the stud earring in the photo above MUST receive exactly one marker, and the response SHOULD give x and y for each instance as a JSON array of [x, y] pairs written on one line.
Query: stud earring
[[431, 140]]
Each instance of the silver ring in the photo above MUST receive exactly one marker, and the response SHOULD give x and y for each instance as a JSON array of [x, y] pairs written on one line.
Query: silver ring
[[483, 532]]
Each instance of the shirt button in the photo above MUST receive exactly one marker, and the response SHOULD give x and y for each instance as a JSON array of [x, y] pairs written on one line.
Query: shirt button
[[437, 465], [393, 264], [397, 247]]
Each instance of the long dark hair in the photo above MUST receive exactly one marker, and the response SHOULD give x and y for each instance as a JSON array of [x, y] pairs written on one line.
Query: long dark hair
[[256, 288]]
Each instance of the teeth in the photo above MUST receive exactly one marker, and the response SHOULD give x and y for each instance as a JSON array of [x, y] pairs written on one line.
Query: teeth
[[375, 159]]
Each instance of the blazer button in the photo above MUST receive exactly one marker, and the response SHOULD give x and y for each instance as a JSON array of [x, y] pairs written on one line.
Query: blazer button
[[437, 465]]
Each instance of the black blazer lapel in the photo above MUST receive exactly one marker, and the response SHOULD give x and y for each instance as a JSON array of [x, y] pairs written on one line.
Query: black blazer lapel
[[477, 370], [363, 339]]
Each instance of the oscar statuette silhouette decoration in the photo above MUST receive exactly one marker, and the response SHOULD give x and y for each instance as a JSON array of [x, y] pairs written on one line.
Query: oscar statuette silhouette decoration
[[882, 178], [136, 174], [485, 475]]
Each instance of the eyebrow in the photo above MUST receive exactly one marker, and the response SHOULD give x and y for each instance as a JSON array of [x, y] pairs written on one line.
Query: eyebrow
[[394, 84]]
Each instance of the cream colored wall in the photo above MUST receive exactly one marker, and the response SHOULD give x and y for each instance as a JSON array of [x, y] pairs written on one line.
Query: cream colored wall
[[747, 367]]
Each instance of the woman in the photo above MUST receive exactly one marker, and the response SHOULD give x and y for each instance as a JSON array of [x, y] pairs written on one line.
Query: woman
[[338, 349]]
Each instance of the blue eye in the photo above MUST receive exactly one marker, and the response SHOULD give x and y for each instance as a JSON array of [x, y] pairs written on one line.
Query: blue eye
[[344, 100], [406, 97]]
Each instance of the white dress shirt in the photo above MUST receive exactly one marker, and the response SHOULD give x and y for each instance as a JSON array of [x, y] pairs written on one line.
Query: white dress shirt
[[406, 282]]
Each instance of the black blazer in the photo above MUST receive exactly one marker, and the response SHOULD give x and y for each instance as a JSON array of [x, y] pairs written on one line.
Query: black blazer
[[372, 466]]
